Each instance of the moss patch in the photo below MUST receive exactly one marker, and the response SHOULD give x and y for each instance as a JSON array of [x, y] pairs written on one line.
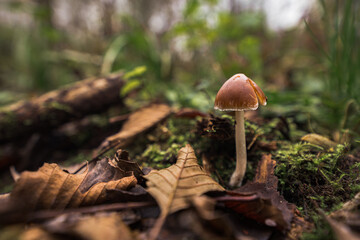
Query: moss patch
[[313, 177]]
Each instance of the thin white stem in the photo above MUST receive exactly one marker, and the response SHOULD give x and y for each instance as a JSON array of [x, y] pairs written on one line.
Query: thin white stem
[[238, 175]]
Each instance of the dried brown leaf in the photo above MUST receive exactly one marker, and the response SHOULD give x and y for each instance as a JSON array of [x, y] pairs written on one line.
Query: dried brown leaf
[[52, 188], [205, 206], [35, 233], [98, 227], [138, 122], [122, 161], [189, 113], [259, 200], [103, 227], [174, 186], [268, 208], [319, 140], [188, 224]]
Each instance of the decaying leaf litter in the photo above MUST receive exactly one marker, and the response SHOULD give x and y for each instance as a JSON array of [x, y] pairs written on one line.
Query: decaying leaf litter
[[160, 190]]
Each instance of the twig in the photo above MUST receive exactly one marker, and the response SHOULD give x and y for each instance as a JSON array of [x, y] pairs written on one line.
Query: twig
[[253, 141], [46, 214], [236, 198], [108, 148]]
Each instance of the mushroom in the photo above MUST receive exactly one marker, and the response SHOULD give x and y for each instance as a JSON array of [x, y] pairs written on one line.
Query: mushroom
[[239, 93]]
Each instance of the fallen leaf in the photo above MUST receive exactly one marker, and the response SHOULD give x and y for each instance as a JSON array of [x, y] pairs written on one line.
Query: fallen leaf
[[52, 188], [205, 206], [97, 227], [268, 208], [138, 122], [173, 187], [248, 229], [189, 113], [35, 233], [122, 161], [109, 227], [319, 140], [259, 200], [188, 224], [104, 170]]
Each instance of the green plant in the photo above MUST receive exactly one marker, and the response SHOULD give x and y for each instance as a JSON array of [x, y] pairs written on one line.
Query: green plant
[[341, 54], [311, 176]]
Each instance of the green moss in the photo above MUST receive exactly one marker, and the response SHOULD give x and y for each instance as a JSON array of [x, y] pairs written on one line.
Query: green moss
[[156, 157], [79, 158], [322, 230], [6, 188], [8, 117], [99, 120], [312, 177], [163, 143]]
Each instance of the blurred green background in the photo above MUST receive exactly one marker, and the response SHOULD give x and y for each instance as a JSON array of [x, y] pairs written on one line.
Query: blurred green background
[[309, 68]]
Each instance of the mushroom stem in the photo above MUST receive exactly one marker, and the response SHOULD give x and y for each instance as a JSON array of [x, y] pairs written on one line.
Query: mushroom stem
[[238, 175]]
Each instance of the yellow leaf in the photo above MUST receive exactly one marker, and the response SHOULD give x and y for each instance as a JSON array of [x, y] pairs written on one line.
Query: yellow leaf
[[174, 186], [109, 227], [319, 140], [91, 227]]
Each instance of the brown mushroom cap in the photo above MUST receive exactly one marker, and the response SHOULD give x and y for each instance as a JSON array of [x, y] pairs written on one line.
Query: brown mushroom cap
[[239, 93]]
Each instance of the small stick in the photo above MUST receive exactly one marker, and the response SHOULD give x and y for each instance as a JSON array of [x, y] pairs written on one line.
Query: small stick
[[17, 217]]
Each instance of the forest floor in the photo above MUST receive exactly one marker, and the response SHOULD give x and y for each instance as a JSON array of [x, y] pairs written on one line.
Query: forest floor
[[157, 172]]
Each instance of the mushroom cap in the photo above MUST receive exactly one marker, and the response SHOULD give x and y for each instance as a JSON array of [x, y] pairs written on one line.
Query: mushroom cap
[[239, 93]]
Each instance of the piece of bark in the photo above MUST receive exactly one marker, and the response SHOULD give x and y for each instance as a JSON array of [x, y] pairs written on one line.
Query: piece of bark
[[60, 106]]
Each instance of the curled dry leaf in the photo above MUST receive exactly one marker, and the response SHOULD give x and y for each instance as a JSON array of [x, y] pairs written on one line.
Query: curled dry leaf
[[122, 161], [138, 122], [173, 187], [52, 188]]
